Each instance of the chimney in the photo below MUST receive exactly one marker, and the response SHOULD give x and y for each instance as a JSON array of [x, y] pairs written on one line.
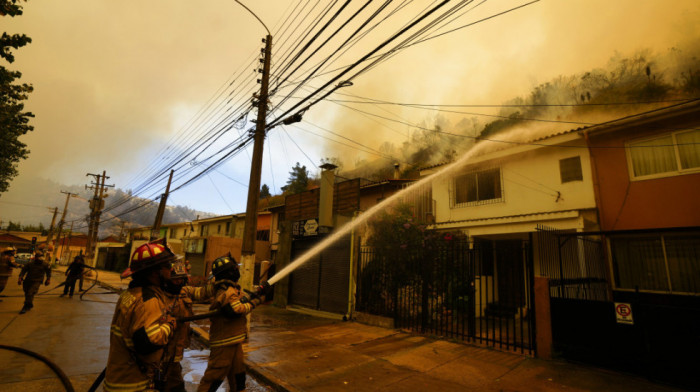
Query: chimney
[[325, 208], [397, 173]]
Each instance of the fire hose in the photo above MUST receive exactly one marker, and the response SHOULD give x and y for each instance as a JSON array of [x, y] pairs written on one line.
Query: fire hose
[[62, 376]]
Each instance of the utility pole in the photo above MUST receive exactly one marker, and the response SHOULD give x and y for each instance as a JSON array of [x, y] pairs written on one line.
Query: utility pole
[[121, 231], [96, 205], [92, 203], [155, 231], [251, 215], [53, 221], [62, 221], [69, 235]]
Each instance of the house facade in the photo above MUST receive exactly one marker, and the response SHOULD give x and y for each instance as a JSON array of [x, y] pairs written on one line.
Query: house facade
[[506, 193], [201, 241], [646, 171]]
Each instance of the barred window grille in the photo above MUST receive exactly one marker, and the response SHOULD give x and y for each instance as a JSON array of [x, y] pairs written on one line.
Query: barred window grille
[[570, 169], [475, 188]]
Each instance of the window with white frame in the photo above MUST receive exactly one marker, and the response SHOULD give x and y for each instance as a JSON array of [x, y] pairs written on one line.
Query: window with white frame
[[671, 154], [657, 262], [479, 187]]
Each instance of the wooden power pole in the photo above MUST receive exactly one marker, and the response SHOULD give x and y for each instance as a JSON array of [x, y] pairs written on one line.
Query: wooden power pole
[[251, 215], [62, 222], [155, 231], [96, 205]]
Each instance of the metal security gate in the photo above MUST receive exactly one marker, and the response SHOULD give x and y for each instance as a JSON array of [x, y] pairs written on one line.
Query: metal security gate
[[322, 282], [662, 342], [477, 292]]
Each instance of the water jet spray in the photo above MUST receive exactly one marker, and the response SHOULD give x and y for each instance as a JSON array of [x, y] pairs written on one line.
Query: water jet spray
[[364, 217]]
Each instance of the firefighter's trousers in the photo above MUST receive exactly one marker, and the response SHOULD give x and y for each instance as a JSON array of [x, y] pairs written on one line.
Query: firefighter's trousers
[[224, 362]]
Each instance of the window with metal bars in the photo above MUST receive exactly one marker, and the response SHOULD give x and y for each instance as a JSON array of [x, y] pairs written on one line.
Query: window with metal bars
[[479, 187], [570, 169]]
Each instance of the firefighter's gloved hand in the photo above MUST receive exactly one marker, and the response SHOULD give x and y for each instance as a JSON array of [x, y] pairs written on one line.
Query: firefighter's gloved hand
[[252, 295], [48, 282], [254, 299], [19, 281], [263, 289], [170, 320]]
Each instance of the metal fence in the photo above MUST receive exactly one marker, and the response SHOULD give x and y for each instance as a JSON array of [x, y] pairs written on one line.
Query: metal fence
[[574, 264], [476, 292]]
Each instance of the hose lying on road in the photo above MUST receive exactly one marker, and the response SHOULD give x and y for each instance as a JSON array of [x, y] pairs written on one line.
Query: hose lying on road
[[64, 379]]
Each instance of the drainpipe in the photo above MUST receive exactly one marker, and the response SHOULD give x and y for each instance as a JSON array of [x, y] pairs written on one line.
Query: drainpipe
[[594, 180], [351, 280]]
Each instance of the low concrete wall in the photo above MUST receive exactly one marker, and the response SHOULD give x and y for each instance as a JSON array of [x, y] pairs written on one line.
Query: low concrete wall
[[370, 319]]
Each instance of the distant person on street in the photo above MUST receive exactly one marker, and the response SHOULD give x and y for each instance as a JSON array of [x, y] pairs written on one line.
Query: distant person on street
[[7, 263], [34, 272], [143, 324], [185, 296], [73, 273], [228, 329]]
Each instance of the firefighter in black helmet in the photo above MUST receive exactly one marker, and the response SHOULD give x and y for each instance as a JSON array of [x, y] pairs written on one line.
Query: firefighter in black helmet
[[142, 325], [228, 329]]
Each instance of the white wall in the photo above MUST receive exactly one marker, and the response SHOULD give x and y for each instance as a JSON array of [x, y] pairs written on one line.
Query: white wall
[[530, 182]]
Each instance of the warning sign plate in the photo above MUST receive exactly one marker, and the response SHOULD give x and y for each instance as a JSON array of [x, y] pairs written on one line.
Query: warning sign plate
[[623, 313]]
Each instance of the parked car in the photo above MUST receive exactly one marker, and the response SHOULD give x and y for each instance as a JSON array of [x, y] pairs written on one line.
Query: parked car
[[23, 258]]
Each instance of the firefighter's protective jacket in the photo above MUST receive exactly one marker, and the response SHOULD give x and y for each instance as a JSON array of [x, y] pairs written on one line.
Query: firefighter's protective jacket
[[141, 328], [7, 263], [181, 336], [229, 328]]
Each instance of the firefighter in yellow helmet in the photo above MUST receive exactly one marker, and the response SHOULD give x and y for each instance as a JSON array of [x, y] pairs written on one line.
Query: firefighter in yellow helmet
[[228, 328], [7, 263], [185, 296], [143, 323]]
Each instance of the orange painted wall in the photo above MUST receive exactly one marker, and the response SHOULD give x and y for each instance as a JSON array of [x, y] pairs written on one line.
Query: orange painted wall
[[627, 205]]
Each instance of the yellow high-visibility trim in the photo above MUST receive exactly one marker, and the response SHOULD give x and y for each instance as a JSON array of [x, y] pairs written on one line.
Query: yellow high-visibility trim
[[228, 341], [157, 329], [137, 386], [116, 330], [129, 343]]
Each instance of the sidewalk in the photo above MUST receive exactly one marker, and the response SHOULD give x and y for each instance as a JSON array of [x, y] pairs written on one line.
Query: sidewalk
[[293, 351]]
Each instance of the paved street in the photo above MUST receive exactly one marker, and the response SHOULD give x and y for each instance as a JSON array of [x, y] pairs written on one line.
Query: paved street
[[72, 333]]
